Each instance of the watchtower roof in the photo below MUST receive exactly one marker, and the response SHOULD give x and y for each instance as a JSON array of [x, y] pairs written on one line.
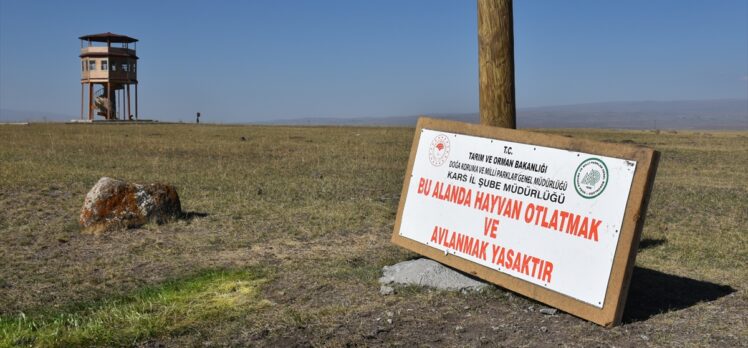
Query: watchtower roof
[[108, 37]]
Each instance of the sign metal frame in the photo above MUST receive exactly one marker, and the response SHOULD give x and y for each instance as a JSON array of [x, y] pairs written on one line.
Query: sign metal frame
[[633, 219]]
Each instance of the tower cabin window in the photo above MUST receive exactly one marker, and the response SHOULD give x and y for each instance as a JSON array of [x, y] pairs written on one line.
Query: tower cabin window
[[114, 66], [124, 67], [91, 65], [104, 65], [83, 66]]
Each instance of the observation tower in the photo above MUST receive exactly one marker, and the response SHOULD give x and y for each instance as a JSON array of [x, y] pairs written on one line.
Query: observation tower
[[108, 67]]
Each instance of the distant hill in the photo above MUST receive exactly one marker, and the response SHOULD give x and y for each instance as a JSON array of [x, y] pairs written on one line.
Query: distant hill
[[686, 114], [10, 115]]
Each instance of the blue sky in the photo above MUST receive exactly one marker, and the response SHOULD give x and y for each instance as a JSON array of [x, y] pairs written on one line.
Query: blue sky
[[259, 60]]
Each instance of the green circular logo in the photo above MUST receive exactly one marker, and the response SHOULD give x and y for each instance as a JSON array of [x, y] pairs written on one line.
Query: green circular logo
[[591, 178]]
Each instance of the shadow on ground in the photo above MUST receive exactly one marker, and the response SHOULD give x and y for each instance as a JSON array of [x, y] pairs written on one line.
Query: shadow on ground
[[651, 243], [190, 215], [653, 292]]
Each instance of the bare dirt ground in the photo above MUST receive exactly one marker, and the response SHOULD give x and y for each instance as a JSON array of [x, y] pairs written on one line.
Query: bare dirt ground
[[314, 207]]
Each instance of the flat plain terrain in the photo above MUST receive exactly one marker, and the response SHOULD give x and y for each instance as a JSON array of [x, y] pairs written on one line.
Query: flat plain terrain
[[288, 232]]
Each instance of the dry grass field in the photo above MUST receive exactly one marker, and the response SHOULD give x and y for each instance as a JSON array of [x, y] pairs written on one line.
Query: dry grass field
[[289, 232]]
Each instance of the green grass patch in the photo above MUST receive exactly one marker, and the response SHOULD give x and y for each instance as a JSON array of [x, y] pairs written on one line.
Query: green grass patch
[[170, 309]]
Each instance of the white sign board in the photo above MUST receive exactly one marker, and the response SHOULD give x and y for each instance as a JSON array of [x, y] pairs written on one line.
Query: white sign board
[[551, 217]]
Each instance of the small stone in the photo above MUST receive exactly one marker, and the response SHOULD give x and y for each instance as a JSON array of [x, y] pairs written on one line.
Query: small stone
[[644, 337], [548, 311], [543, 329], [244, 138], [459, 328], [385, 290], [389, 321]]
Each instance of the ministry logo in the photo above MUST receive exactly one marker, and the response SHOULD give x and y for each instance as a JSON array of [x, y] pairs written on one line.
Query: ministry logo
[[439, 150], [591, 178]]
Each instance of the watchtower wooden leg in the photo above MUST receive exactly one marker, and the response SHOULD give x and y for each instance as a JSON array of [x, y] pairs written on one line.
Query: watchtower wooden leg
[[136, 100], [109, 98], [128, 101], [90, 101]]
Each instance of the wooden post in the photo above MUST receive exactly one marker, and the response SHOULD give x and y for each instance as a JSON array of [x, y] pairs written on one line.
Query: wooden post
[[128, 101], [82, 100], [496, 63], [90, 101], [136, 101], [109, 100], [121, 103]]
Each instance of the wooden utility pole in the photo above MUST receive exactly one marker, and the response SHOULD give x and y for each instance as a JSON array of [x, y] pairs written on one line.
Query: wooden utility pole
[[496, 63]]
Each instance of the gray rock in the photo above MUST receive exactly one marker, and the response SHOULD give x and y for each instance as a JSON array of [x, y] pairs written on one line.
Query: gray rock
[[115, 204], [428, 273], [385, 290], [548, 311]]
